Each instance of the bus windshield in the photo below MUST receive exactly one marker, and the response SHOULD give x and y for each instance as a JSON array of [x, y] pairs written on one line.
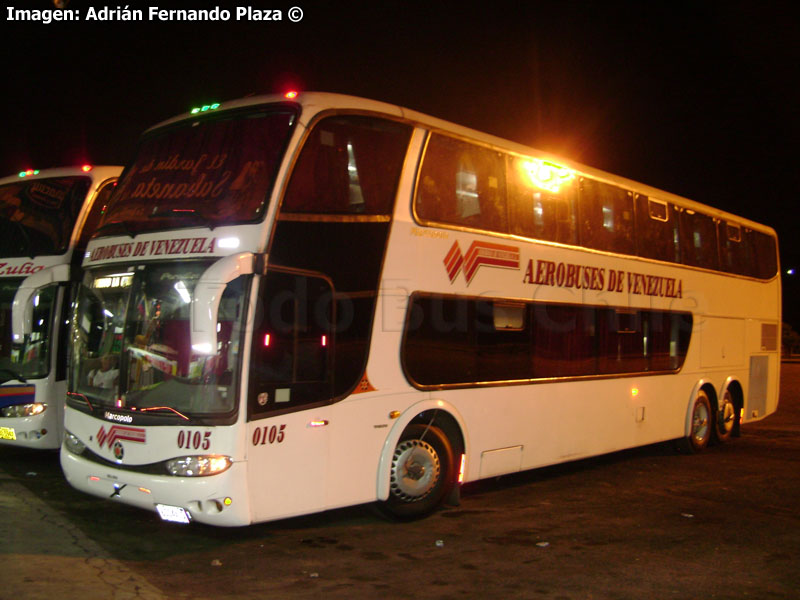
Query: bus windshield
[[37, 216], [29, 360], [132, 333], [210, 172]]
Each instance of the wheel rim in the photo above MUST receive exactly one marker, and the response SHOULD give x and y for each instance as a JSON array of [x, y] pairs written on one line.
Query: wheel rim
[[727, 415], [700, 423], [415, 470]]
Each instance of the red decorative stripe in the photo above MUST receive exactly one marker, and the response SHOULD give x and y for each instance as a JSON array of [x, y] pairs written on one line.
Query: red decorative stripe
[[480, 253], [120, 432]]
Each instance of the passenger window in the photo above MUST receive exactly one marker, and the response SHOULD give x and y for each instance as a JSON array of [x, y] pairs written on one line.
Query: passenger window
[[621, 342], [349, 165], [698, 240], [460, 341], [606, 217], [541, 205], [563, 340], [292, 347], [761, 251], [462, 184], [732, 252], [657, 229], [666, 339]]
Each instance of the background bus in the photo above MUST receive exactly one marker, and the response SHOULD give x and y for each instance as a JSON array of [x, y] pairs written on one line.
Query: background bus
[[46, 218], [330, 301]]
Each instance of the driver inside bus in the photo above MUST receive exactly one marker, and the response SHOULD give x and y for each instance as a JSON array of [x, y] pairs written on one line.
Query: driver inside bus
[[106, 375]]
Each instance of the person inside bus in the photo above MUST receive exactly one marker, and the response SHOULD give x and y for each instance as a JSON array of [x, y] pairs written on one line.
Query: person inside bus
[[106, 375]]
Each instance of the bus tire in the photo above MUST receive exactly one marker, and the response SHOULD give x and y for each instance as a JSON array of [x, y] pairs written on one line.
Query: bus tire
[[701, 426], [725, 419], [422, 472]]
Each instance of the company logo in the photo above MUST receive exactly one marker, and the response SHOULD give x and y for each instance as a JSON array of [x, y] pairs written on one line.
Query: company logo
[[121, 432], [118, 418], [478, 254]]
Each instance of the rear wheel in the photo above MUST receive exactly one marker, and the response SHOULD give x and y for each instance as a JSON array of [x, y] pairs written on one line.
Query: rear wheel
[[422, 472], [725, 420], [701, 425]]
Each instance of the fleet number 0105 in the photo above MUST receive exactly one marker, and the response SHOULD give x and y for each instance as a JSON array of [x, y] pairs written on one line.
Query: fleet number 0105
[[268, 434]]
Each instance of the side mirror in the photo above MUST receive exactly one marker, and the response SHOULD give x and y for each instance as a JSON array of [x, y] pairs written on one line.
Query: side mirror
[[22, 307], [208, 293]]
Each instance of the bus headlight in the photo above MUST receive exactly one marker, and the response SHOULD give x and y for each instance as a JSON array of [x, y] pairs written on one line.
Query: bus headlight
[[23, 410], [73, 444], [198, 466]]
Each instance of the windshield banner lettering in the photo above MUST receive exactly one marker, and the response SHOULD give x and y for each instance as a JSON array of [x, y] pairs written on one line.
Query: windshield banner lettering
[[171, 247]]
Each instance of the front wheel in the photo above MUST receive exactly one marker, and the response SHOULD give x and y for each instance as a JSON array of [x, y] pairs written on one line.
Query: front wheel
[[701, 426], [422, 472]]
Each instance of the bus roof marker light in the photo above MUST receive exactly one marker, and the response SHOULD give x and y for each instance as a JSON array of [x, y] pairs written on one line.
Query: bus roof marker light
[[205, 108], [86, 168], [291, 94], [29, 172]]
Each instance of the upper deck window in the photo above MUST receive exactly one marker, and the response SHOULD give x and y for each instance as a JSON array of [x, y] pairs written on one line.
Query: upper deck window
[[539, 209], [205, 172], [606, 217], [699, 240], [349, 166], [657, 229], [462, 184], [37, 215]]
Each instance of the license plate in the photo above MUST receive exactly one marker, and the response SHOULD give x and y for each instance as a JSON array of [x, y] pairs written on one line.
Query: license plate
[[176, 514], [8, 433]]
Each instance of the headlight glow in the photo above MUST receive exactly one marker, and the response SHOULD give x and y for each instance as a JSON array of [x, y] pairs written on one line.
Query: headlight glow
[[23, 410], [198, 466]]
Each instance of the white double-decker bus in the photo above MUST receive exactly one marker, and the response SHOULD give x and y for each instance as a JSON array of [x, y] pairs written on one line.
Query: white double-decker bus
[[320, 301], [46, 218]]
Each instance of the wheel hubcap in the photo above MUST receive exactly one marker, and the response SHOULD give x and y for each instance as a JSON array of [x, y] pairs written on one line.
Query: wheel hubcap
[[700, 423], [727, 415], [415, 470]]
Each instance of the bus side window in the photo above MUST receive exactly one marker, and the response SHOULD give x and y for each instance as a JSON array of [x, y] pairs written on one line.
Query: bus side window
[[462, 184], [732, 251], [291, 355], [621, 347], [656, 229], [349, 165], [762, 254], [606, 217], [698, 240], [536, 212]]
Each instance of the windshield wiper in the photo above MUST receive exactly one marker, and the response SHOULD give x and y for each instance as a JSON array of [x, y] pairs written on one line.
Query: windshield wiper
[[81, 397], [160, 408], [13, 373], [119, 224]]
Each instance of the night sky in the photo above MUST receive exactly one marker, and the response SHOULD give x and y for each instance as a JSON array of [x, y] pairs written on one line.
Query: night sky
[[697, 98]]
